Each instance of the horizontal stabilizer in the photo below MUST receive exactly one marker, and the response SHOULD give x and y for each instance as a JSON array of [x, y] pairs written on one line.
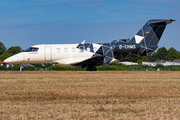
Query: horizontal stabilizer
[[161, 21]]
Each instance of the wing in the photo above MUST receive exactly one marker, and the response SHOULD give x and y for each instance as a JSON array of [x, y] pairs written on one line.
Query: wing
[[94, 61]]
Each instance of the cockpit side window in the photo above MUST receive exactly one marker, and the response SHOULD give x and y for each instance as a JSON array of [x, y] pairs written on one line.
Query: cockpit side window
[[32, 49], [81, 49]]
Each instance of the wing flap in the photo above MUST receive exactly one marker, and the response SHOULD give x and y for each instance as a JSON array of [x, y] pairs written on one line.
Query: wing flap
[[94, 61]]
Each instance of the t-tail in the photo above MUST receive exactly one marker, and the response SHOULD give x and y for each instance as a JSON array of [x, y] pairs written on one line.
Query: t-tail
[[144, 43], [150, 34]]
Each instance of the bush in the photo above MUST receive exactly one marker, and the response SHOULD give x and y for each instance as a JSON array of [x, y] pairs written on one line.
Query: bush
[[59, 68], [28, 69], [140, 67], [112, 67], [2, 68], [172, 68], [159, 66], [37, 69], [116, 64], [14, 68]]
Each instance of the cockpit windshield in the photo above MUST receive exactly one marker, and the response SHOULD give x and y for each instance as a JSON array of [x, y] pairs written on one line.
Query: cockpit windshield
[[31, 49]]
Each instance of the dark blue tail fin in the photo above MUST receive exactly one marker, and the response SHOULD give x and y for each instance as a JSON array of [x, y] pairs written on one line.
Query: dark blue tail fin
[[145, 41], [149, 35]]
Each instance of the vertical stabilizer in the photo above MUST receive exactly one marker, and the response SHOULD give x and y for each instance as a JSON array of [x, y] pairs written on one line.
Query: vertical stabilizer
[[150, 34]]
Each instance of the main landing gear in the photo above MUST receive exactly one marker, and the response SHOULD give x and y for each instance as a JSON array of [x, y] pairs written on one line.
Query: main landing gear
[[91, 68]]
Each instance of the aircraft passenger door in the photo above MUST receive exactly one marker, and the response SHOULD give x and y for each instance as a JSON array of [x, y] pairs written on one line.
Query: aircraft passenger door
[[25, 59], [48, 53]]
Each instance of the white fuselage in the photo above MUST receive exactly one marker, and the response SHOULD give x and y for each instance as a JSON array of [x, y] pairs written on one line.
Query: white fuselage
[[63, 54]]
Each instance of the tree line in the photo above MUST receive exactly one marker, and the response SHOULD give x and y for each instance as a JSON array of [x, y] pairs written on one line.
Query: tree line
[[5, 53], [161, 54]]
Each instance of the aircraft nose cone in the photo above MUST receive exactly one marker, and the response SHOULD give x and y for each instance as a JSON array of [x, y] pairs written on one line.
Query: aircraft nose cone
[[8, 60]]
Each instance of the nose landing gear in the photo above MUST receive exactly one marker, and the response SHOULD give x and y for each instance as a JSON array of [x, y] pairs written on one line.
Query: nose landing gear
[[21, 67]]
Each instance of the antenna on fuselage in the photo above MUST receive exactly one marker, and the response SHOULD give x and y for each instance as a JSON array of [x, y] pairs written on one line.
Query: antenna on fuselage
[[83, 42]]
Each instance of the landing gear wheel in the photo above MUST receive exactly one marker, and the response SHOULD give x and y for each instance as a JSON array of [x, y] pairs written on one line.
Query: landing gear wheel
[[91, 68]]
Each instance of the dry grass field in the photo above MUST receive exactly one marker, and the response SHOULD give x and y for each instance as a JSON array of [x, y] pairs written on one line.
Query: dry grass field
[[90, 95]]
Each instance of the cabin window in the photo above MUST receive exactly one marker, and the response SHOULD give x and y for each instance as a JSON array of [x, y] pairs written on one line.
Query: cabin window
[[65, 50], [95, 49], [88, 49], [73, 49], [58, 50], [31, 49], [81, 49]]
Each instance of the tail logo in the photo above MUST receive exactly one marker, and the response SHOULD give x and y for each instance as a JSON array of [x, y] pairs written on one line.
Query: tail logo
[[138, 38], [147, 32]]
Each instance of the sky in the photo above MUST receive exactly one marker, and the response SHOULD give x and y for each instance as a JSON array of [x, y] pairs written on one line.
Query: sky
[[29, 22]]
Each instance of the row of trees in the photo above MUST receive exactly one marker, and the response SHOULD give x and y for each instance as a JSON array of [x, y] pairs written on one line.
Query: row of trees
[[161, 54], [165, 54], [5, 53]]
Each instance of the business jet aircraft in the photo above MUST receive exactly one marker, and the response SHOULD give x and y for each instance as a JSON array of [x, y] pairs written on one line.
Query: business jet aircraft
[[144, 43]]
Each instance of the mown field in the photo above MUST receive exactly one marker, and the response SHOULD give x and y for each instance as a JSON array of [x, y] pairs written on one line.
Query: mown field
[[90, 95]]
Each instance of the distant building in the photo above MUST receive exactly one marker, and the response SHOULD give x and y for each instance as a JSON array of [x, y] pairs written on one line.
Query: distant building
[[166, 63], [171, 63], [177, 61], [162, 62], [128, 63], [149, 63], [2, 63]]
